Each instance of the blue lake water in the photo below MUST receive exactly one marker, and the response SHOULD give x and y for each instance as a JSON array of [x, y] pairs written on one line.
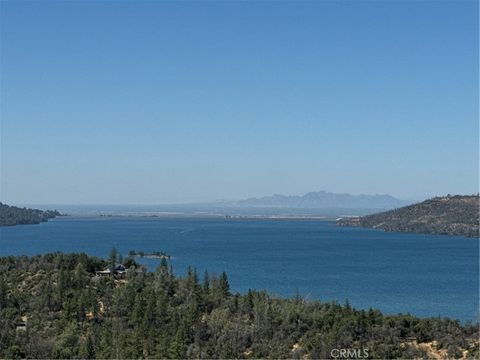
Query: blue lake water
[[425, 275]]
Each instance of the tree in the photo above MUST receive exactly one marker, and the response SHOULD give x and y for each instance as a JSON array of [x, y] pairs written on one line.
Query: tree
[[206, 282], [87, 350], [224, 285], [3, 294]]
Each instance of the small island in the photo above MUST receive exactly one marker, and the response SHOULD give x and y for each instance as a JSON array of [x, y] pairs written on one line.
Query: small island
[[456, 215], [151, 255], [13, 215]]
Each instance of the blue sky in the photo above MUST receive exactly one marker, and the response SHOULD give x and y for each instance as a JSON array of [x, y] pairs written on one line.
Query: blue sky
[[164, 102]]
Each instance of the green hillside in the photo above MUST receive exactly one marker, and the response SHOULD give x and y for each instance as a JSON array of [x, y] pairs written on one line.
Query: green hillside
[[61, 306]]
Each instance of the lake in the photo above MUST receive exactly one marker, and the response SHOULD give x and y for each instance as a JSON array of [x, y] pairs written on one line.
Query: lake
[[426, 275]]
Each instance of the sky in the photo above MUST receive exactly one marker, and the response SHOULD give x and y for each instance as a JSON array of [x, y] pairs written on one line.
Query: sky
[[171, 102]]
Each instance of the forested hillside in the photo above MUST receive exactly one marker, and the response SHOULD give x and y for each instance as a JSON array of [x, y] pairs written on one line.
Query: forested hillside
[[54, 306], [447, 215], [12, 215]]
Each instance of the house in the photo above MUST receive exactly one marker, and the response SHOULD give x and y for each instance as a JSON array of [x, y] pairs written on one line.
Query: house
[[22, 325], [120, 271]]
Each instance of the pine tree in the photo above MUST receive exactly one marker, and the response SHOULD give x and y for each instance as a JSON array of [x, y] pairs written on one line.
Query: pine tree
[[3, 294], [224, 285], [206, 282]]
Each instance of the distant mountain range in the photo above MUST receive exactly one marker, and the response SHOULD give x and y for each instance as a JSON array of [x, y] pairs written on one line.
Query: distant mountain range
[[446, 215], [324, 199], [312, 204]]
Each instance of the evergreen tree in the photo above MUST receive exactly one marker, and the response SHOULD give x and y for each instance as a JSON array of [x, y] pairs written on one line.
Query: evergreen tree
[[3, 294], [206, 282], [224, 285]]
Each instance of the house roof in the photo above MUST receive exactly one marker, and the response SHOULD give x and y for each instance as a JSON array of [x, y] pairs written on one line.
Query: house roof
[[118, 268]]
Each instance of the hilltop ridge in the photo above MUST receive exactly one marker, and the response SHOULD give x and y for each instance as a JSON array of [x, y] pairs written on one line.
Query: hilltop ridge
[[444, 215]]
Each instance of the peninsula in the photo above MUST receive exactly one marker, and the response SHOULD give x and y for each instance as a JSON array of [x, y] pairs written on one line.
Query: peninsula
[[12, 215], [446, 215]]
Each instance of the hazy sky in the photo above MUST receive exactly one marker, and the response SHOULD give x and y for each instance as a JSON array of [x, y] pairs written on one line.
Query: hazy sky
[[161, 102]]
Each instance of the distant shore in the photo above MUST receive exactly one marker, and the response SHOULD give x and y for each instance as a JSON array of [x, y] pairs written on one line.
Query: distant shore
[[211, 216]]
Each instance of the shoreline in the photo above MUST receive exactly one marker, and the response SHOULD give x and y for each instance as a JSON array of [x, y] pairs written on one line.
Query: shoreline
[[226, 217]]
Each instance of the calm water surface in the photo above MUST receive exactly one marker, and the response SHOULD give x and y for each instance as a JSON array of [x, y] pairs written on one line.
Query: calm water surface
[[425, 275]]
